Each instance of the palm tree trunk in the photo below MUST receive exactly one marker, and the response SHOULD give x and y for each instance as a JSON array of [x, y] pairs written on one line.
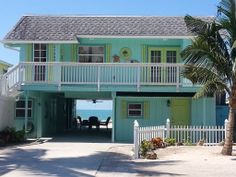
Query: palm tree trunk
[[227, 149]]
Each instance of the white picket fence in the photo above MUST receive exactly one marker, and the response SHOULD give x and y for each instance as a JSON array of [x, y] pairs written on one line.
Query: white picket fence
[[212, 135]]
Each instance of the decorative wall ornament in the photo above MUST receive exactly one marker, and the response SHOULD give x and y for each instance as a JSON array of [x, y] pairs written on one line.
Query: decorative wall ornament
[[125, 53]]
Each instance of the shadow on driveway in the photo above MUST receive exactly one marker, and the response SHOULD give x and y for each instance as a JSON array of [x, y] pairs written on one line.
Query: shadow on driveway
[[32, 162], [121, 164]]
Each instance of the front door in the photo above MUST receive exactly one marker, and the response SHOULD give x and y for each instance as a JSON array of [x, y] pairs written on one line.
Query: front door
[[180, 111], [171, 58]]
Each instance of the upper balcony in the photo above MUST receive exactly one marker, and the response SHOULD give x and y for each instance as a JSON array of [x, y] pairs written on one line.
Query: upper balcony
[[71, 76]]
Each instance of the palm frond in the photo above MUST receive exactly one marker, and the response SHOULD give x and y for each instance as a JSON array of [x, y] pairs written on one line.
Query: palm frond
[[201, 54], [210, 88], [201, 75], [195, 25], [227, 17]]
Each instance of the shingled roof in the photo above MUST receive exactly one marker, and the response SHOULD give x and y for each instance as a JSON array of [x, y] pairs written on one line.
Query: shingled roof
[[67, 28]]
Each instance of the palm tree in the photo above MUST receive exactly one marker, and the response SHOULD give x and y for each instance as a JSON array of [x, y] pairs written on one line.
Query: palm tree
[[210, 59]]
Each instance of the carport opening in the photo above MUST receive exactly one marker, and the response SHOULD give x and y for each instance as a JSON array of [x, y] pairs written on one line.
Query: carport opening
[[92, 118]]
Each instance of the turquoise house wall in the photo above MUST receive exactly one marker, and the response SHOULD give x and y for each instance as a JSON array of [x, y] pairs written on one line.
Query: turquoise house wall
[[203, 111], [134, 44], [47, 115], [158, 112]]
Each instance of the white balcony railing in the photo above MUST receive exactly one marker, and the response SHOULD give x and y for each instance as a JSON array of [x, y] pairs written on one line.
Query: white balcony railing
[[99, 74]]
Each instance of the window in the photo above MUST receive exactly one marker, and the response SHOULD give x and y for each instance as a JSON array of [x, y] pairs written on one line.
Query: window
[[171, 56], [155, 56], [40, 52], [40, 55], [88, 54], [20, 108], [135, 110]]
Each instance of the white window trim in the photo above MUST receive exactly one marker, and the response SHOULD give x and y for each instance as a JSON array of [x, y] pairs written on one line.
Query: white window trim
[[93, 55], [39, 50], [141, 110], [29, 108]]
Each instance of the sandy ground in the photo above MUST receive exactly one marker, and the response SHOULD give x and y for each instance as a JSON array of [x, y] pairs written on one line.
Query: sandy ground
[[188, 161]]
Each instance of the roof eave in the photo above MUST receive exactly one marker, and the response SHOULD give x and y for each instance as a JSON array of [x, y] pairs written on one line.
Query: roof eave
[[7, 42], [93, 36], [133, 37]]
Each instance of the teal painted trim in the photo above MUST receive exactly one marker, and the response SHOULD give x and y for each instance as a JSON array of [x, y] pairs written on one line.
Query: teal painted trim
[[93, 88]]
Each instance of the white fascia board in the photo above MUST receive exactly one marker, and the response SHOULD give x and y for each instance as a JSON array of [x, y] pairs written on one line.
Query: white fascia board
[[38, 42], [135, 37], [5, 63]]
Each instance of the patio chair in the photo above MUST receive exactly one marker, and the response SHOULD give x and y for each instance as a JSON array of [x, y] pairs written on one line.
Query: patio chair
[[93, 121], [105, 123], [83, 123]]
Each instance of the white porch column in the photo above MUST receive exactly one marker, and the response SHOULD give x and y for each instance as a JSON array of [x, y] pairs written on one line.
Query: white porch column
[[113, 116]]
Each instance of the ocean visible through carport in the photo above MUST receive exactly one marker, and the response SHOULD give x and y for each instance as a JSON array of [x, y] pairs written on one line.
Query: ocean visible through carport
[[101, 114]]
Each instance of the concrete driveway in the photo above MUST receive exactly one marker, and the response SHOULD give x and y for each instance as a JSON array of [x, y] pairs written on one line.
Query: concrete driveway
[[63, 157]]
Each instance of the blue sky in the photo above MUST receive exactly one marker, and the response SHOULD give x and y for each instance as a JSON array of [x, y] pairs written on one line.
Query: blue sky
[[12, 10]]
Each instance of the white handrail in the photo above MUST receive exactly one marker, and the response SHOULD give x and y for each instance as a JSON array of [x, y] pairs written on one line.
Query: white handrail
[[99, 74]]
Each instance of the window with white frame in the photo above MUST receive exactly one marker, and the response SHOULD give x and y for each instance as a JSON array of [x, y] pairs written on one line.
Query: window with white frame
[[40, 52], [20, 108], [91, 54], [171, 56], [135, 110]]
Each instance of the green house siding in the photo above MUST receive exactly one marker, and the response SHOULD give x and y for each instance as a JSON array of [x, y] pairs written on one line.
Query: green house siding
[[47, 114], [158, 110]]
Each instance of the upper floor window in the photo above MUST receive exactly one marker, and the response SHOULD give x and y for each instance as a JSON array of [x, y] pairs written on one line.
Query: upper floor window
[[171, 56], [40, 52], [91, 54], [163, 55]]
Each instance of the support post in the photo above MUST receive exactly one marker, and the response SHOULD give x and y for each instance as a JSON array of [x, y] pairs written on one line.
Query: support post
[[136, 139], [99, 78], [113, 116], [226, 127], [138, 78], [167, 128], [177, 78], [26, 112]]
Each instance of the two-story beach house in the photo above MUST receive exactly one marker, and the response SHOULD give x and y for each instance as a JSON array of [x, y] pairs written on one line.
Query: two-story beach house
[[132, 60]]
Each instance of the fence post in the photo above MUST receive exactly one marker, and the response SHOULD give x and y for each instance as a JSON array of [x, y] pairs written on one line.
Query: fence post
[[167, 128], [136, 143], [226, 127]]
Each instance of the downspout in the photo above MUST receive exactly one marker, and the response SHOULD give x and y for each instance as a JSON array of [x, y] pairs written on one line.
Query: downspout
[[26, 112]]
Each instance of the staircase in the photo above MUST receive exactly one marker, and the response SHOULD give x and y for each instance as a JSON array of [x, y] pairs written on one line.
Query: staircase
[[10, 82]]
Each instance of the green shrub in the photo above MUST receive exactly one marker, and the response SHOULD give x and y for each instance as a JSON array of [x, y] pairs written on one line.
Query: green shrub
[[19, 136], [10, 135], [170, 141], [188, 142], [145, 147]]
